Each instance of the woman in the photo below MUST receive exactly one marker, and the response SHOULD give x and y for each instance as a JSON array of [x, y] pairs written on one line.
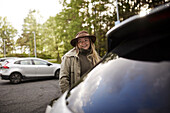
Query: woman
[[78, 60]]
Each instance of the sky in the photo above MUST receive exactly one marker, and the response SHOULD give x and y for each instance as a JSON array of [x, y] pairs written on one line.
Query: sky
[[17, 10]]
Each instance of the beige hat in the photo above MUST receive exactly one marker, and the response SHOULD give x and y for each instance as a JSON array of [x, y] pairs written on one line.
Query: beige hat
[[82, 34]]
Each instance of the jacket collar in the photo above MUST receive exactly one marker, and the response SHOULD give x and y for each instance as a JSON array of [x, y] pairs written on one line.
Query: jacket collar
[[71, 53]]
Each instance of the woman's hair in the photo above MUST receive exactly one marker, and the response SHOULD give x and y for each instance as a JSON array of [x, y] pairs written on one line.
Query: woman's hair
[[96, 57]]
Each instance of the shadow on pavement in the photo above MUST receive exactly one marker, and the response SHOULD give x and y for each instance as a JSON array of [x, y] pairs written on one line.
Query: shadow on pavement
[[7, 82]]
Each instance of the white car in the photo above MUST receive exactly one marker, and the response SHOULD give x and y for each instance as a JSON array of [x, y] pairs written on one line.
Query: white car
[[18, 69]]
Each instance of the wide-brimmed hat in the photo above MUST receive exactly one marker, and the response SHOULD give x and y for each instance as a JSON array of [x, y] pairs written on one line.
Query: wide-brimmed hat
[[82, 34]]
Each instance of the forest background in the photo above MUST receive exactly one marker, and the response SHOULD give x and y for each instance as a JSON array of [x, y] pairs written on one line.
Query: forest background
[[54, 35]]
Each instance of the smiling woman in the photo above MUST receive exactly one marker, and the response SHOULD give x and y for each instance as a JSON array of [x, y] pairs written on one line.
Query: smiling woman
[[79, 60]]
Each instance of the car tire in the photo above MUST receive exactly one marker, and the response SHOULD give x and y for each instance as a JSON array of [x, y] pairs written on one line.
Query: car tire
[[57, 74], [15, 78]]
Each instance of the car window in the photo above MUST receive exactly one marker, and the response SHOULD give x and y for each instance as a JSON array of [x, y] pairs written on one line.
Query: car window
[[2, 60], [39, 62], [25, 62], [17, 62]]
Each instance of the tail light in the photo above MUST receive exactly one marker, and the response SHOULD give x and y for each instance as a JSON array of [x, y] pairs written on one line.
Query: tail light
[[5, 66]]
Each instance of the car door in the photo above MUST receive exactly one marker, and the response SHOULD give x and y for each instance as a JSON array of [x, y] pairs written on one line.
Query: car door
[[27, 68], [42, 68]]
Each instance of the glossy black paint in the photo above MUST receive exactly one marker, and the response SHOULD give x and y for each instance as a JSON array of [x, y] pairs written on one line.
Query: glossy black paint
[[123, 86]]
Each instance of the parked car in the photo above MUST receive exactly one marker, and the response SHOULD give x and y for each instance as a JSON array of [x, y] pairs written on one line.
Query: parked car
[[138, 81], [18, 69]]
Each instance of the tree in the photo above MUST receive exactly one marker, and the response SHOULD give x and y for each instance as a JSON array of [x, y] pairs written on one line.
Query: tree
[[50, 40], [7, 34], [68, 23], [30, 26], [128, 8]]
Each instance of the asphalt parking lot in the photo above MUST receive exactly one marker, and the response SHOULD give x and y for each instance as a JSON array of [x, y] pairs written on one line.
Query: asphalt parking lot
[[27, 97]]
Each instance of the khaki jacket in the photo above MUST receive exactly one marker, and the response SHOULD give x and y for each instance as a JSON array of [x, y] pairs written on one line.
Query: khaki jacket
[[70, 69]]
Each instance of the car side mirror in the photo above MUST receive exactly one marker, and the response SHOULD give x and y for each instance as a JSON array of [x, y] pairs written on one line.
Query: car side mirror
[[49, 64]]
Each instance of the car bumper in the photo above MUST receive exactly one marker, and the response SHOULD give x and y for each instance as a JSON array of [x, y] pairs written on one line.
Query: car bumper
[[59, 105], [5, 77]]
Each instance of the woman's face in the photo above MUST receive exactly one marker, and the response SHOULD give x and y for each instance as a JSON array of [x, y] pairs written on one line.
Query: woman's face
[[84, 43]]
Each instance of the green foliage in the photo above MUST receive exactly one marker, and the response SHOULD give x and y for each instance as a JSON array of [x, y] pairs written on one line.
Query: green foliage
[[26, 40], [7, 34], [18, 55]]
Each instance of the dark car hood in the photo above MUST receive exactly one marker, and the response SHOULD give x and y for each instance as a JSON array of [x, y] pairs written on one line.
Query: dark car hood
[[123, 86]]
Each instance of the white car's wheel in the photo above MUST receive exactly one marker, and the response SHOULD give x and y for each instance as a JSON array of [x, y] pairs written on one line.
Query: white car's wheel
[[15, 78], [57, 74]]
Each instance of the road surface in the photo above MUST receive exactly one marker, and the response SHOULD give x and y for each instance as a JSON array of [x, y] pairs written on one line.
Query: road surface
[[27, 97]]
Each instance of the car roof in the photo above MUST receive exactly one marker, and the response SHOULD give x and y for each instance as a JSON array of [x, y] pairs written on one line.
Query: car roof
[[23, 58], [142, 38]]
